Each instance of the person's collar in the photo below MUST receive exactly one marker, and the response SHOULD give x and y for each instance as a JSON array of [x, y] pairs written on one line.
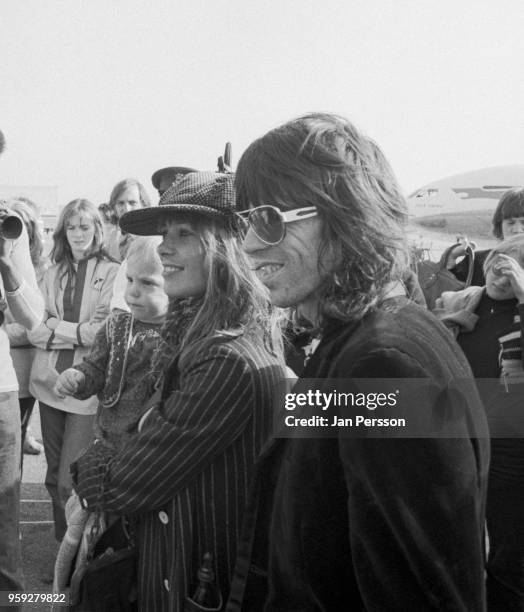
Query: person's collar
[[393, 289]]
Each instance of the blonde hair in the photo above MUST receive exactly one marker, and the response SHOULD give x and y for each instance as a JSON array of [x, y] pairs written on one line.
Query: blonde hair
[[514, 247], [144, 249]]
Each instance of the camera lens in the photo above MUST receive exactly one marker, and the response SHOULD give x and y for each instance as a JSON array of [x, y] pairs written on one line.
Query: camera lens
[[10, 227]]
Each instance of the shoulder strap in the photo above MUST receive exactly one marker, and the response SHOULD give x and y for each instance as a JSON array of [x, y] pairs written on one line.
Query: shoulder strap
[[470, 254]]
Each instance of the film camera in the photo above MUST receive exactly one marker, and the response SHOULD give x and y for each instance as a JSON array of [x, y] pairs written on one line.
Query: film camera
[[10, 225]]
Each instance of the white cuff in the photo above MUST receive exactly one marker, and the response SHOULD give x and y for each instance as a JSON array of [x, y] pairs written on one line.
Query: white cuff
[[67, 330], [17, 291]]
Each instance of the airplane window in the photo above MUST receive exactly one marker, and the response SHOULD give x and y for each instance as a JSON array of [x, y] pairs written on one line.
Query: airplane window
[[424, 193]]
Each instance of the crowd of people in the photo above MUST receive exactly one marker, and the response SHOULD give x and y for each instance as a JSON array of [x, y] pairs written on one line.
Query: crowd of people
[[156, 340]]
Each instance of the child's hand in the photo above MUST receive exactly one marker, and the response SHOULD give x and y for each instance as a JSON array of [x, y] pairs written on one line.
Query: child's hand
[[74, 512], [510, 268], [69, 382]]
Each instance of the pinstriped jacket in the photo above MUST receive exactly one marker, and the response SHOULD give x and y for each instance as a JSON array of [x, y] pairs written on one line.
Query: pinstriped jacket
[[186, 473]]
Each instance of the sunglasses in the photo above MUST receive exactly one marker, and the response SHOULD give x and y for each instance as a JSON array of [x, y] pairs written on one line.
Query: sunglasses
[[268, 223]]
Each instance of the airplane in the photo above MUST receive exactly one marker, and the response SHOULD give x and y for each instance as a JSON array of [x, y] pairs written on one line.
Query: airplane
[[478, 190]]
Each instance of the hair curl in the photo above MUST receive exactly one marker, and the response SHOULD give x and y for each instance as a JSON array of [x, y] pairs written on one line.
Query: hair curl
[[323, 160]]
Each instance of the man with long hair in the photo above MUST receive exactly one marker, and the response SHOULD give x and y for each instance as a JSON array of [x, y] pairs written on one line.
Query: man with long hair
[[339, 522]]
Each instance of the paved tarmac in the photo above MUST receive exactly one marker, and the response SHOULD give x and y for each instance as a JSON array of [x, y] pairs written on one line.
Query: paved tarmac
[[39, 546]]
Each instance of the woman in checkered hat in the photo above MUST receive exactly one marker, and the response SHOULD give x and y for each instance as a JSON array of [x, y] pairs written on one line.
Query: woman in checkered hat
[[186, 473]]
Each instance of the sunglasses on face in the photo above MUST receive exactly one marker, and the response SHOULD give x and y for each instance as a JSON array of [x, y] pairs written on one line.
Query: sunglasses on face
[[268, 223]]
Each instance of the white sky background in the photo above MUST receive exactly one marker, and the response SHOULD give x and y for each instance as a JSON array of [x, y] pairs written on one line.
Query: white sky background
[[95, 91]]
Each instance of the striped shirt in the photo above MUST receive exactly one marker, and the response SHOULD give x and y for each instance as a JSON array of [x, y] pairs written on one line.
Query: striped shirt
[[186, 473]]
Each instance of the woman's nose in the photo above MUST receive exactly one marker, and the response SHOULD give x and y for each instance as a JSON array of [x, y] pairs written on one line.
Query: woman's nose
[[166, 248], [161, 248]]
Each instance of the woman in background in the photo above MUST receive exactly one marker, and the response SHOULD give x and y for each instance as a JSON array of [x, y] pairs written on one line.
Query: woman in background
[[22, 351], [77, 289], [19, 292]]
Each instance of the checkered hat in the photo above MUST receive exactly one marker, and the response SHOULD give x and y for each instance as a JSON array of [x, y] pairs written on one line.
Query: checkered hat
[[206, 193]]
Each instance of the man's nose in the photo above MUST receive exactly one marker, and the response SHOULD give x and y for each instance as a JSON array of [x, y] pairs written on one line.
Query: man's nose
[[251, 243]]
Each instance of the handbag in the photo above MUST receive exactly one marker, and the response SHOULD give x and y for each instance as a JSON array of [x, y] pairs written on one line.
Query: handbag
[[434, 278], [107, 581]]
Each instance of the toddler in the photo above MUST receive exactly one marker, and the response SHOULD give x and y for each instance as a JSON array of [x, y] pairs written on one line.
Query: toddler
[[120, 358]]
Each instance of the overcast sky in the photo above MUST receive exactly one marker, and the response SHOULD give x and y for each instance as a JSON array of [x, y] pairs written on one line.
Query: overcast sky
[[99, 90]]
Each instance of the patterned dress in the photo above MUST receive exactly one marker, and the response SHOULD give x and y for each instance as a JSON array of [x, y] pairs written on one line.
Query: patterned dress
[[117, 370]]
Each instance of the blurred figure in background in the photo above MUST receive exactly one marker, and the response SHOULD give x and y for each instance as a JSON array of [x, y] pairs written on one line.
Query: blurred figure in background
[[19, 291], [489, 323], [77, 289], [109, 220], [22, 351], [508, 220], [126, 195]]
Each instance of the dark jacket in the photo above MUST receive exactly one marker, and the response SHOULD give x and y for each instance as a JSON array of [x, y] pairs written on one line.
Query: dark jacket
[[373, 524]]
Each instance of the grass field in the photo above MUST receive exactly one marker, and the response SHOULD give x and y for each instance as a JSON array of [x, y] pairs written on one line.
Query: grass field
[[436, 232], [475, 224]]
